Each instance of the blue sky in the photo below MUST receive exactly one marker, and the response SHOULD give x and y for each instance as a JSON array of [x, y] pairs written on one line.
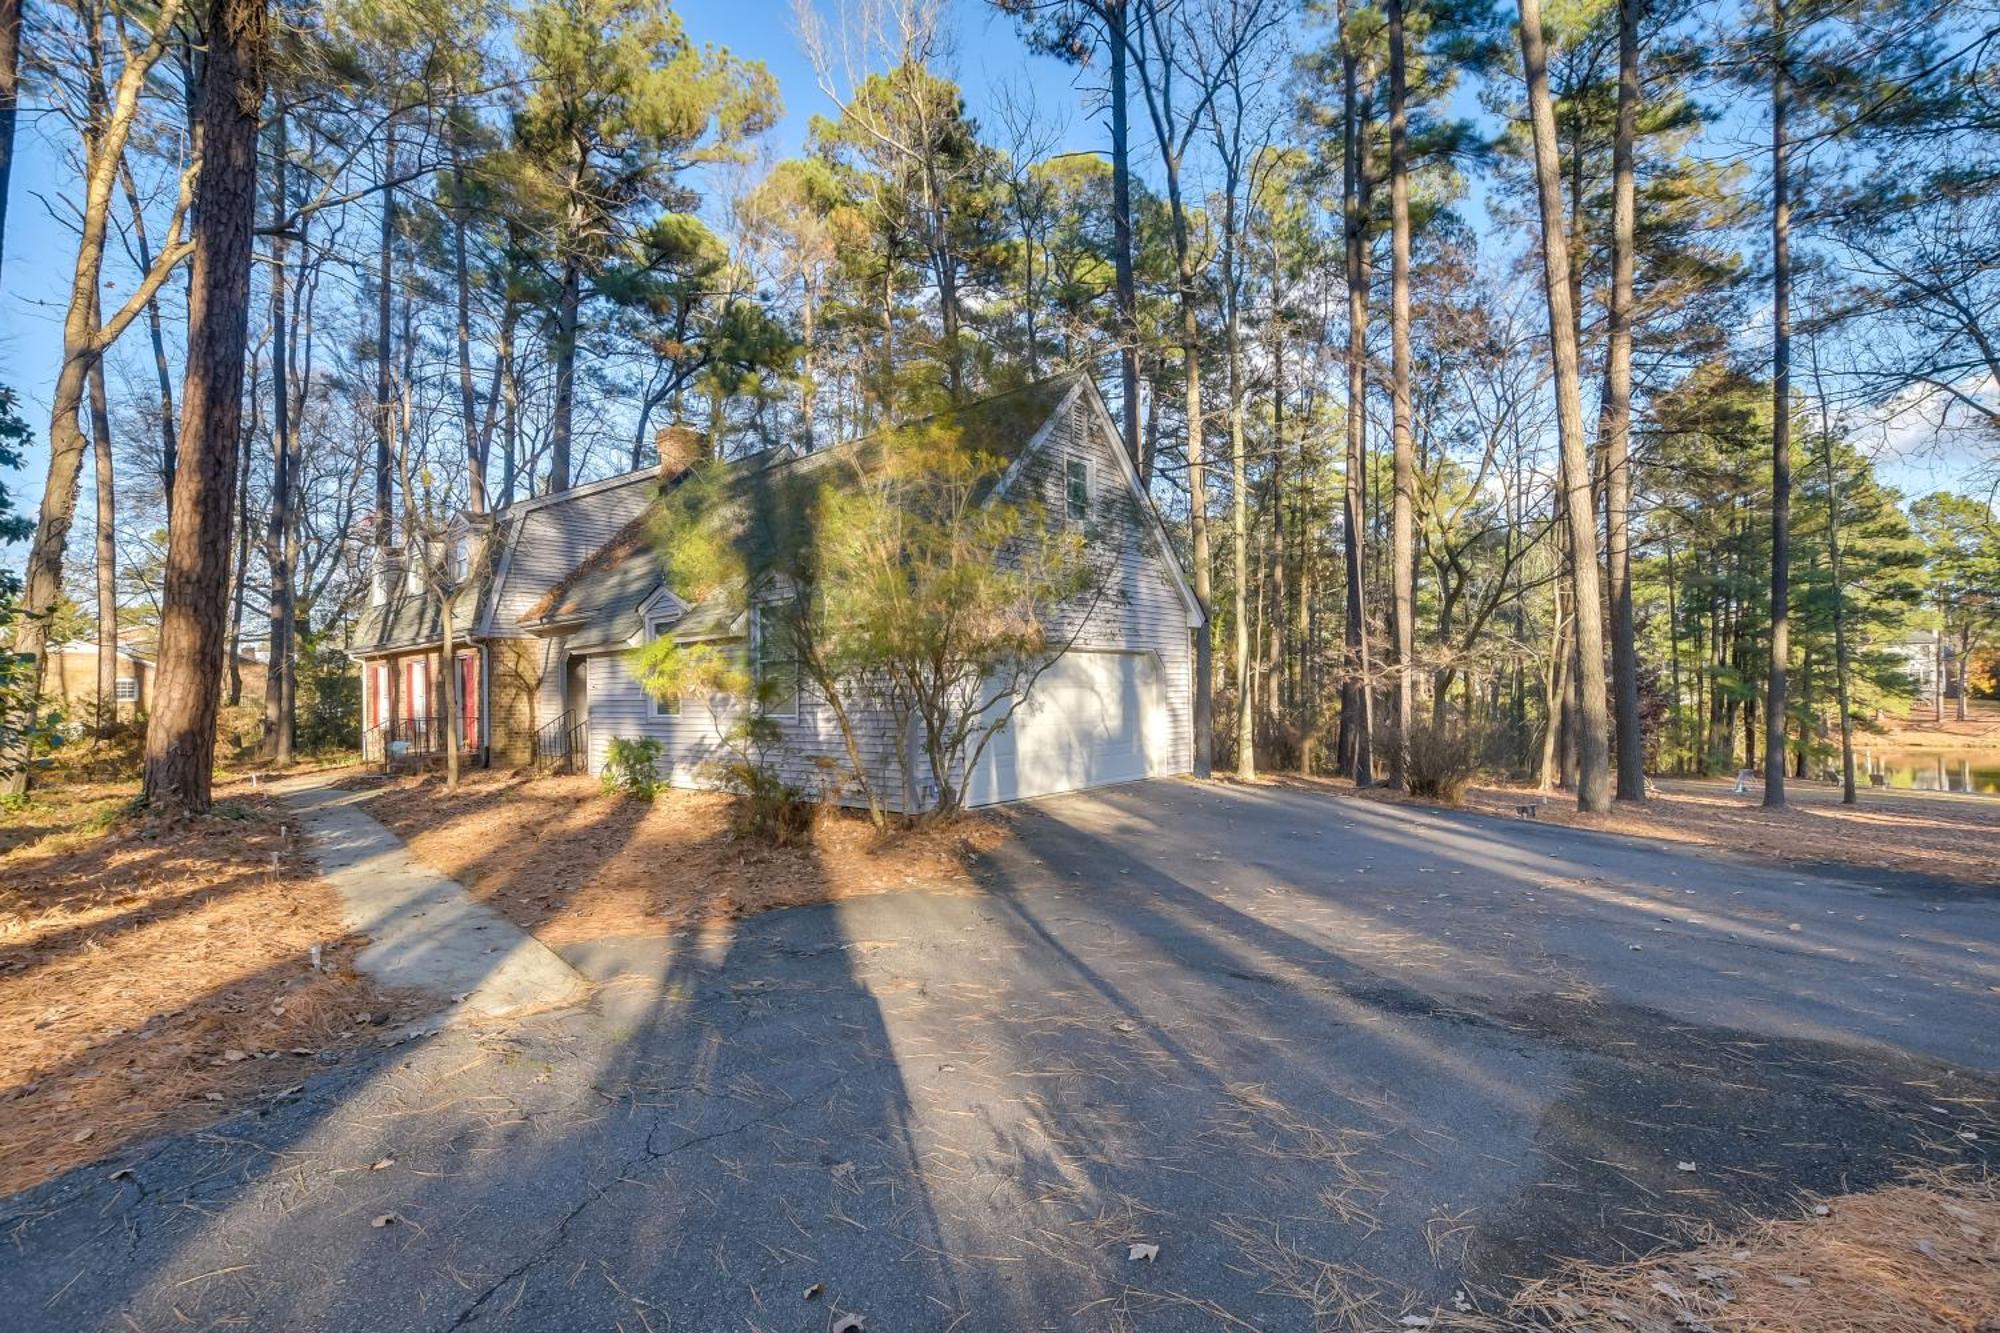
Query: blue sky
[[988, 51]]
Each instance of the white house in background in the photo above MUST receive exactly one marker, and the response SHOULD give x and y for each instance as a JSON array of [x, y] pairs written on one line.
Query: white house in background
[[575, 583], [1926, 658]]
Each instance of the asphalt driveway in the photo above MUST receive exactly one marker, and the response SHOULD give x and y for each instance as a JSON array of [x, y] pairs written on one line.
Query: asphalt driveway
[[1340, 1062]]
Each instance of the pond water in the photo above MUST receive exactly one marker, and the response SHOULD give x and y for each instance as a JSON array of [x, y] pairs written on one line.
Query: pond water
[[1975, 771]]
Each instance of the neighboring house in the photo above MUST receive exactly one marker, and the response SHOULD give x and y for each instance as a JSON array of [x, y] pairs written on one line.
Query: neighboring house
[[574, 584], [1926, 658], [71, 679]]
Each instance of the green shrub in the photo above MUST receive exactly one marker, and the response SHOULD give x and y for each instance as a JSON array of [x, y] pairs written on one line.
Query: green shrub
[[768, 808], [1441, 762], [328, 708], [631, 767]]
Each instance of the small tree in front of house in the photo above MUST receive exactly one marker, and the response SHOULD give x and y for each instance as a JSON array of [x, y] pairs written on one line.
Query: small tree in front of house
[[452, 556], [897, 574]]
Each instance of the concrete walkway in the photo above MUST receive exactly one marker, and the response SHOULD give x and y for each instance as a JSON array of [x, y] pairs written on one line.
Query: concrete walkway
[[427, 931]]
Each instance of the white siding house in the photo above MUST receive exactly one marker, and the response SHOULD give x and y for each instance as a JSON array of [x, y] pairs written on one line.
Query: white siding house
[[580, 585]]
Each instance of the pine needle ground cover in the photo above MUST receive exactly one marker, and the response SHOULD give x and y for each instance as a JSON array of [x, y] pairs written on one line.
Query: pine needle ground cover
[[157, 976], [1921, 1257], [565, 860]]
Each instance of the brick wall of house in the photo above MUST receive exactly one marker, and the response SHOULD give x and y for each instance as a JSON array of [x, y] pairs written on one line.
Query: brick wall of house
[[519, 668], [71, 682]]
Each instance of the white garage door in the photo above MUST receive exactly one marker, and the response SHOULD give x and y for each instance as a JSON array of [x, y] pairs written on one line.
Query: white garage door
[[1092, 719]]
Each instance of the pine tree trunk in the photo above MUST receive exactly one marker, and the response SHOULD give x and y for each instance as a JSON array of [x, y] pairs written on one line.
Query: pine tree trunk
[[468, 398], [510, 406], [1356, 702], [1593, 787], [107, 552], [180, 742], [1239, 479], [1674, 662], [156, 333], [1124, 286], [1197, 465], [1204, 644], [1781, 412], [1554, 692], [385, 343], [278, 722], [1618, 416], [1402, 524], [10, 97], [239, 567], [84, 340]]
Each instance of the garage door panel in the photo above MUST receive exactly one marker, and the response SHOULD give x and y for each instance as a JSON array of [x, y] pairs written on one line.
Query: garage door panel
[[1091, 718]]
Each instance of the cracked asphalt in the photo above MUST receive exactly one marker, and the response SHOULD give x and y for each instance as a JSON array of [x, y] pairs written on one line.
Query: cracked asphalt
[[1340, 1061]]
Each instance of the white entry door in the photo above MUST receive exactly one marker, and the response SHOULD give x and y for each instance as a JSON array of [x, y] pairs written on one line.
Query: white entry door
[[1091, 719]]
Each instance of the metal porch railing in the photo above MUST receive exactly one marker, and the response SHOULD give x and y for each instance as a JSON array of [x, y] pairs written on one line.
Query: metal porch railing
[[563, 744]]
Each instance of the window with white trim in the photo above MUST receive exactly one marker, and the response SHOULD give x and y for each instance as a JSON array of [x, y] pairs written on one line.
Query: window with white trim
[[127, 689], [1076, 489], [671, 705], [777, 662]]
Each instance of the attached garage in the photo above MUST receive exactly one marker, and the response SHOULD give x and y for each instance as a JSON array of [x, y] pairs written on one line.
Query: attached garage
[[1092, 719]]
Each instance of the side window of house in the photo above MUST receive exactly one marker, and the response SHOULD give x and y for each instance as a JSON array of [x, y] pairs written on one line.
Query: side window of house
[[777, 663], [127, 689], [1076, 489], [669, 707]]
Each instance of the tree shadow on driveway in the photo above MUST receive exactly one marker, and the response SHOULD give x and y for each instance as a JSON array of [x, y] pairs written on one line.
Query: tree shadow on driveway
[[1331, 1079]]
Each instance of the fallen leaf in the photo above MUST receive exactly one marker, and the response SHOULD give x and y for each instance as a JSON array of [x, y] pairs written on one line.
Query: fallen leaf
[[1821, 1210], [1684, 1166], [1787, 1280], [847, 1323], [122, 1173], [384, 1220], [1669, 1290], [1928, 1250], [812, 1292], [1415, 1321], [382, 1164], [1149, 1253], [83, 1134]]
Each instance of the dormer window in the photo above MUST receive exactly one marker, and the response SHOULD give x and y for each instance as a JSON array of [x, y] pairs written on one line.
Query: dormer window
[[1076, 490]]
